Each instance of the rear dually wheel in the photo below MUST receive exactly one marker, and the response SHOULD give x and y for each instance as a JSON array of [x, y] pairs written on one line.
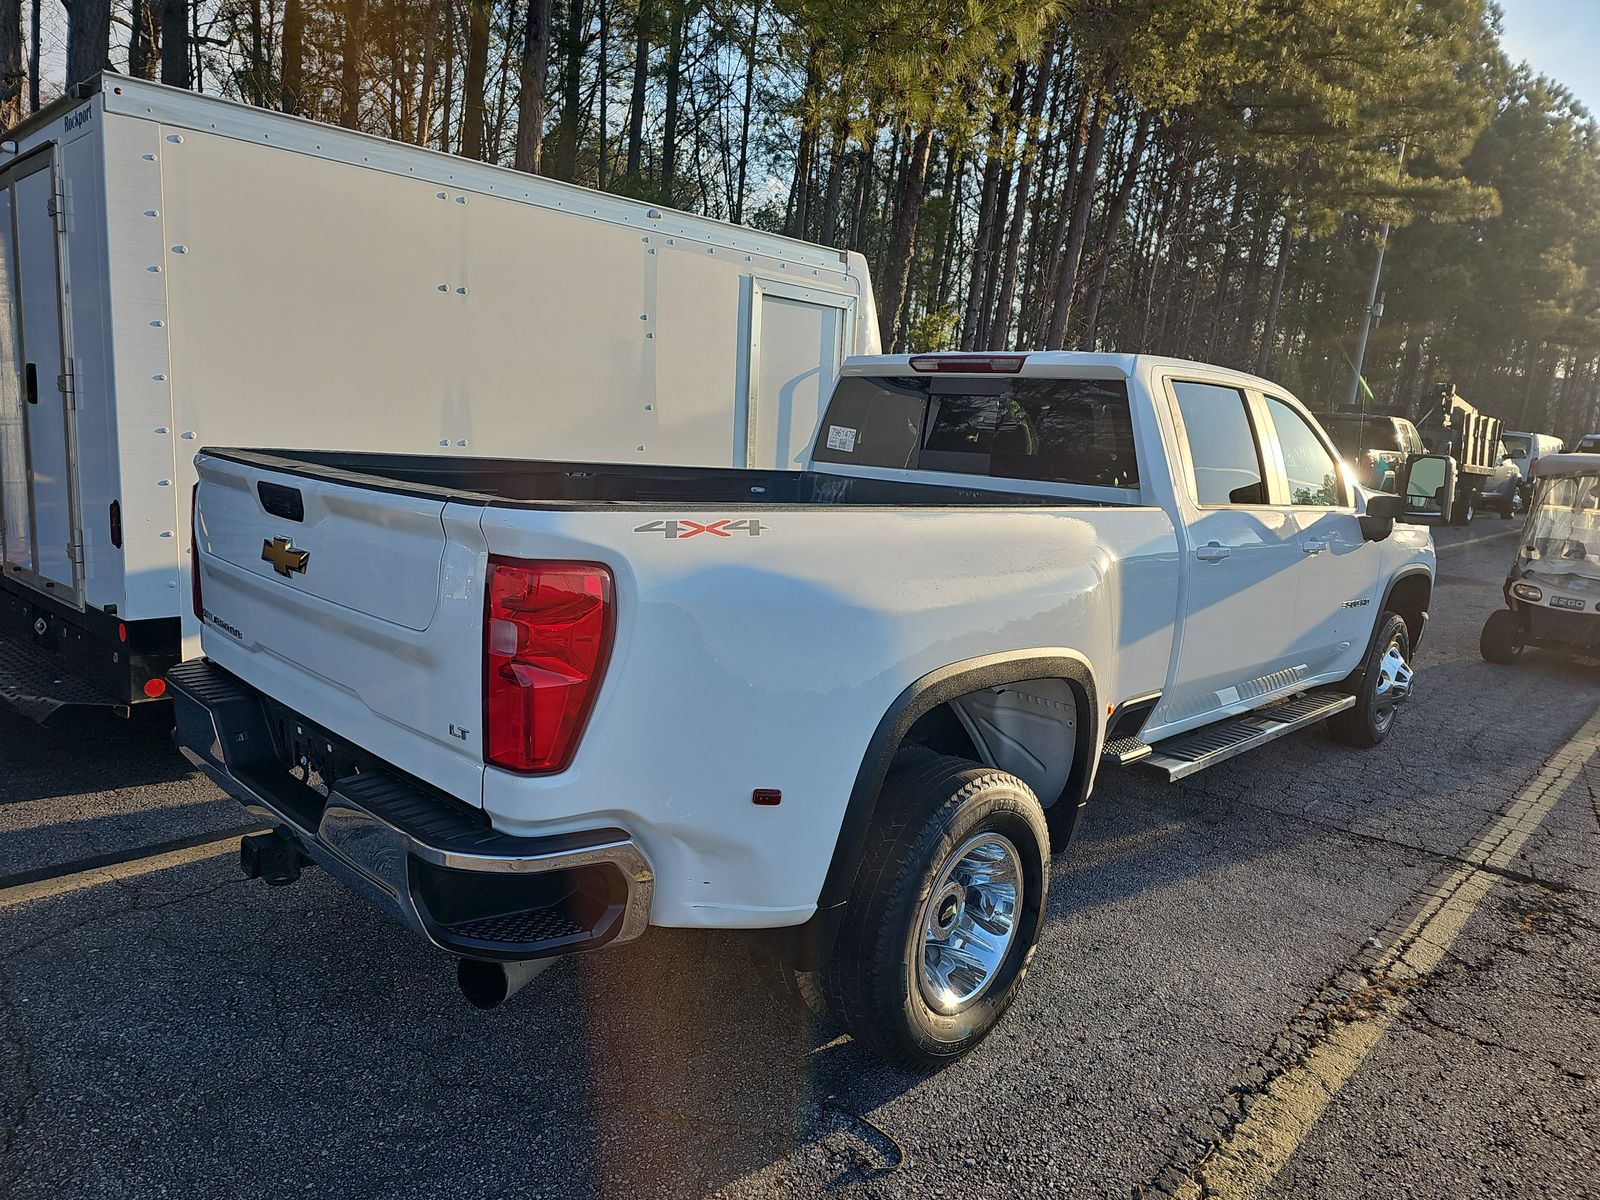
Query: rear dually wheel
[[944, 913]]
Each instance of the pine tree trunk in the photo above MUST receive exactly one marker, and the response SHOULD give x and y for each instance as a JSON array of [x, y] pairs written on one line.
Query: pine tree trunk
[[799, 185], [33, 56], [1000, 324], [978, 284], [641, 78], [746, 110], [905, 238], [141, 41], [430, 74], [1244, 333], [494, 138], [1230, 258], [12, 76], [564, 151], [1051, 251], [350, 77], [88, 39], [829, 233], [530, 102], [954, 179], [1270, 331], [669, 136], [603, 151], [292, 85], [447, 97], [477, 70], [866, 159], [1114, 218], [1088, 176]]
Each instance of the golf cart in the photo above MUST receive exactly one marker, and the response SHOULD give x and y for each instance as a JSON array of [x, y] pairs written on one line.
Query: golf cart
[[1553, 590]]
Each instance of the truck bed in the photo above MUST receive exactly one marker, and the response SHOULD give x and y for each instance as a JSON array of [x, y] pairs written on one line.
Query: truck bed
[[587, 485]]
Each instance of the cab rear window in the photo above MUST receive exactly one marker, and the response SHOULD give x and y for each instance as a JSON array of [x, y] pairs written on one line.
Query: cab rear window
[[1050, 430], [1355, 435]]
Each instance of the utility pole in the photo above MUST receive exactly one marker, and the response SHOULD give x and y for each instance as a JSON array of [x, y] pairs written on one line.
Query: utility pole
[[1373, 309]]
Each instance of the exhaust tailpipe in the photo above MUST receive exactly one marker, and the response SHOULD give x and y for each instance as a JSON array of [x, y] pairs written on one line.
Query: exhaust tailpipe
[[488, 984]]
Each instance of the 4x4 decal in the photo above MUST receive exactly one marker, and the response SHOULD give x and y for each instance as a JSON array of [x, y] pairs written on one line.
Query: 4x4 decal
[[680, 528]]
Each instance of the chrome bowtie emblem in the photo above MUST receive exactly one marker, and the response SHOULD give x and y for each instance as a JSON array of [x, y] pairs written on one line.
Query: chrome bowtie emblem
[[280, 552]]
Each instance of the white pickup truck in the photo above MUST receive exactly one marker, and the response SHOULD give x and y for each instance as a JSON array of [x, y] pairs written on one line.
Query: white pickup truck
[[531, 708]]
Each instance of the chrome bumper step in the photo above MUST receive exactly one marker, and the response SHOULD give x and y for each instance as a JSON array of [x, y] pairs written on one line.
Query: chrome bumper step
[[1184, 755]]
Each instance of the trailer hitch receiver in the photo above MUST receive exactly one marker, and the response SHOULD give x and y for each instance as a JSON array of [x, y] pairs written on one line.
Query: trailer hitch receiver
[[273, 857]]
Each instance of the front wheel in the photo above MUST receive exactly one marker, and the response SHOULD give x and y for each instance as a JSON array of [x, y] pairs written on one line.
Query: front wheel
[[1501, 639], [1385, 685], [1465, 510], [944, 914]]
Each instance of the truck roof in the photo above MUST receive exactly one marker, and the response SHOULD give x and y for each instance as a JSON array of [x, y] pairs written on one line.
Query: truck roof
[[1049, 362], [1567, 464]]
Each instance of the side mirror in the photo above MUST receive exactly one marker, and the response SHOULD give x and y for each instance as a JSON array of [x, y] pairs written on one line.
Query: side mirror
[[1386, 507], [1382, 512], [1428, 484]]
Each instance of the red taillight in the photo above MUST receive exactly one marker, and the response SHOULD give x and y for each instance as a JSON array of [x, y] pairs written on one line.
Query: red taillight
[[155, 688], [194, 555], [970, 364], [546, 637]]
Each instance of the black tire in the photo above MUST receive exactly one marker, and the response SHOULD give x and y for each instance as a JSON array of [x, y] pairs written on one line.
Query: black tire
[[1501, 639], [929, 810], [1465, 510], [1371, 720]]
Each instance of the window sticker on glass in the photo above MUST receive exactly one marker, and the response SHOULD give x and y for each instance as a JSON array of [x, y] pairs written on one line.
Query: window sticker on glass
[[842, 437]]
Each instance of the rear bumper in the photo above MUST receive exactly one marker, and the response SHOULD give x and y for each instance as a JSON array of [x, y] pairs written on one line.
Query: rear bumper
[[432, 863], [53, 656], [1560, 628]]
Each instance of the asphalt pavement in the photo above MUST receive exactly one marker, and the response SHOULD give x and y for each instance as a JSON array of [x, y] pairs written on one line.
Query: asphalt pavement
[[1311, 971]]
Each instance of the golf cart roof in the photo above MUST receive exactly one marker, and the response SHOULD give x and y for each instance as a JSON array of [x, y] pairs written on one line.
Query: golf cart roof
[[1552, 465]]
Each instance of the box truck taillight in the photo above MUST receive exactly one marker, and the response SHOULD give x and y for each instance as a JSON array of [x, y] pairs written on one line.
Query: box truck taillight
[[546, 637]]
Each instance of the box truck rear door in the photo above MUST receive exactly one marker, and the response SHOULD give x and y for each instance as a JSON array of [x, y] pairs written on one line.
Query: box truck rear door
[[38, 503]]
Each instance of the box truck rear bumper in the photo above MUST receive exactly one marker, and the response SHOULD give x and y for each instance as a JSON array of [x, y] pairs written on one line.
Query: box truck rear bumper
[[53, 656], [426, 859], [36, 685]]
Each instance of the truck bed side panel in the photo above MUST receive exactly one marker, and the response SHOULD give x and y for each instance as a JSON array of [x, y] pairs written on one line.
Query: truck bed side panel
[[766, 659]]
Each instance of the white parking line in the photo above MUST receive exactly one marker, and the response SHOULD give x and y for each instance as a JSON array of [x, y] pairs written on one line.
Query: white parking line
[[1488, 537], [60, 885], [1258, 1148]]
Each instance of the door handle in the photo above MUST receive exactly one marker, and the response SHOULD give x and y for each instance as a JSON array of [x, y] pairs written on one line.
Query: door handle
[[1313, 547], [1212, 552]]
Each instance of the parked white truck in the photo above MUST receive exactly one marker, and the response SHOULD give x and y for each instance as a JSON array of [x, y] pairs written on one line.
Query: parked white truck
[[531, 708], [177, 271]]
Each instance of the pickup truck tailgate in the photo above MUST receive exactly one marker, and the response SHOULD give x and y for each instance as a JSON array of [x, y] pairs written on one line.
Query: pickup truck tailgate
[[329, 598]]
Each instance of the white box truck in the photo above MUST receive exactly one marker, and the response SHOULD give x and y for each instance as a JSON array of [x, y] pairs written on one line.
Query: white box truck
[[177, 270]]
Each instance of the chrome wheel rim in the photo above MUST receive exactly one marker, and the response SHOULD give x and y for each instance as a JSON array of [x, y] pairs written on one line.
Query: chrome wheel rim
[[1394, 682], [969, 922]]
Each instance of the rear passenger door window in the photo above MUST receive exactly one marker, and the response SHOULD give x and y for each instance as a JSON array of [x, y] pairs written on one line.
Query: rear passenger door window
[[1311, 470], [1222, 444]]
